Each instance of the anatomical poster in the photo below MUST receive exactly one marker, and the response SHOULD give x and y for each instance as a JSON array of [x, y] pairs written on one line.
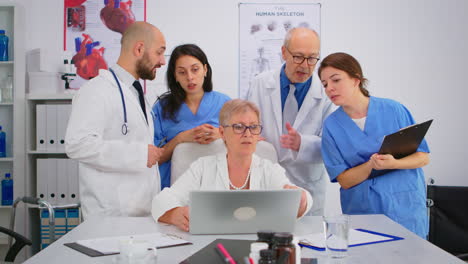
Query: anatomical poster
[[92, 33], [262, 28]]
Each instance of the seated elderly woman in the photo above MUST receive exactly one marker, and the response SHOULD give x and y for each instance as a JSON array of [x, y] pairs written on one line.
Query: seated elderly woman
[[238, 169]]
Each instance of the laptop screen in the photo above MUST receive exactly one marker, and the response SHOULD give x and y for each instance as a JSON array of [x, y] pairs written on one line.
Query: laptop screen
[[243, 211]]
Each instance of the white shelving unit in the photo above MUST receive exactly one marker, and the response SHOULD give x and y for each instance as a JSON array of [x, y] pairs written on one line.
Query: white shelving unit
[[12, 114], [32, 100]]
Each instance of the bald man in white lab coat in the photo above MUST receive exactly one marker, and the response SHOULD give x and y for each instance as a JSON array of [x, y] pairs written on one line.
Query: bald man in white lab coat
[[118, 173]]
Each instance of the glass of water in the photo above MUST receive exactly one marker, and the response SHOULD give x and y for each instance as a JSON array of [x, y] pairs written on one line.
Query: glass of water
[[336, 235]]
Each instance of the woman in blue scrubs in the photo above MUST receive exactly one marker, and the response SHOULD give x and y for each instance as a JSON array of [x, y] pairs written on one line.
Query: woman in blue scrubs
[[351, 138], [189, 111]]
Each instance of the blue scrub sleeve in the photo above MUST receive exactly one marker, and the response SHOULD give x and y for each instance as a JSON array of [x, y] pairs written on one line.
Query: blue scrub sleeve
[[158, 129], [332, 158]]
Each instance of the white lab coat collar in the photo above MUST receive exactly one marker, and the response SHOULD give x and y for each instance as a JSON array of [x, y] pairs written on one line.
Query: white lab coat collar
[[124, 76], [130, 93]]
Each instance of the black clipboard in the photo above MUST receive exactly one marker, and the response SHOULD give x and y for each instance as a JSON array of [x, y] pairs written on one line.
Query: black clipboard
[[405, 141], [402, 143]]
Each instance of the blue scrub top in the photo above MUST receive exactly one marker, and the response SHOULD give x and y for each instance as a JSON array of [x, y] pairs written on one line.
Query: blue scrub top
[[207, 113], [399, 194]]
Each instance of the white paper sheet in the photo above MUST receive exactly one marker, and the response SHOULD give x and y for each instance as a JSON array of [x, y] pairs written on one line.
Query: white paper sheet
[[110, 245]]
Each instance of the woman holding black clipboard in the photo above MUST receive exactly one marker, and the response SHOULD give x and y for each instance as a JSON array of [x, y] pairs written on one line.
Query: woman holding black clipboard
[[351, 139]]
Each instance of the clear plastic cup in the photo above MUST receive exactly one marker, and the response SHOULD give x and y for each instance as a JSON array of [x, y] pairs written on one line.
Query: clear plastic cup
[[336, 235]]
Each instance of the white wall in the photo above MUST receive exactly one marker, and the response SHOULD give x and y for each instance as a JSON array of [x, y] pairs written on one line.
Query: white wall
[[412, 51]]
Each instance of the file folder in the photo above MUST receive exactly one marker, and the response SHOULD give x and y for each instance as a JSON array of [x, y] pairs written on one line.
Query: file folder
[[73, 181], [62, 181], [52, 181], [45, 229], [63, 114], [51, 128], [73, 218], [41, 178], [41, 127], [60, 223]]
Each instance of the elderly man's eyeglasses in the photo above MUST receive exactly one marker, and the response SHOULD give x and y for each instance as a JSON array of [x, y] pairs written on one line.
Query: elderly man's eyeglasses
[[300, 59], [241, 128]]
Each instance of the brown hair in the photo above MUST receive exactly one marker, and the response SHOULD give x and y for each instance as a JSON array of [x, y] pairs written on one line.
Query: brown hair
[[236, 106], [347, 63]]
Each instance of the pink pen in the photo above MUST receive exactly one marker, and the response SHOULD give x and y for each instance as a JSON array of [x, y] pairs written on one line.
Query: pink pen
[[225, 253]]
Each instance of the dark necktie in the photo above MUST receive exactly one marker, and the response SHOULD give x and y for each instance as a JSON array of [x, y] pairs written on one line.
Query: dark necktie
[[141, 97]]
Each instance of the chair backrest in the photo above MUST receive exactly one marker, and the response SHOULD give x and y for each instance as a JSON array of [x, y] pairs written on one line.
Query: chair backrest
[[20, 242], [186, 153], [448, 227]]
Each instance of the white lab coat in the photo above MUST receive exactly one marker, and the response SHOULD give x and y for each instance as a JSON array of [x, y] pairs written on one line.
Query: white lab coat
[[211, 173], [113, 177], [304, 168]]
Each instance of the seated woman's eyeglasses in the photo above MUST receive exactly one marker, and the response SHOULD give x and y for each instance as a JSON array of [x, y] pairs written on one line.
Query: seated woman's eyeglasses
[[241, 128]]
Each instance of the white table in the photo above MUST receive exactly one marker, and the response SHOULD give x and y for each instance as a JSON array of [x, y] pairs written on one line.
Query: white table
[[412, 249]]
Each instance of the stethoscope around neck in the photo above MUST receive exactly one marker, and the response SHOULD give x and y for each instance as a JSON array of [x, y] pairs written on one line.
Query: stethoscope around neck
[[124, 125]]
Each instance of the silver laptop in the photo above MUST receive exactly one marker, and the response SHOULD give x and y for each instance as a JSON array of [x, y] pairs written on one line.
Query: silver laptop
[[244, 211]]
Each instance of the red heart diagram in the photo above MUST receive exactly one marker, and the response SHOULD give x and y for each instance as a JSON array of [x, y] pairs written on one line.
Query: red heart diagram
[[88, 59], [117, 15]]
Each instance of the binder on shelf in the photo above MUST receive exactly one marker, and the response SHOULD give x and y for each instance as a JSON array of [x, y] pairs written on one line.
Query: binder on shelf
[[73, 218], [60, 223], [41, 127], [63, 114], [45, 229], [52, 181], [73, 183], [41, 178], [62, 182], [60, 226], [51, 127]]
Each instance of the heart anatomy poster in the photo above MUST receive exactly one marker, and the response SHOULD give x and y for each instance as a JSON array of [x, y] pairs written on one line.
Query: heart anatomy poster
[[92, 33], [262, 28]]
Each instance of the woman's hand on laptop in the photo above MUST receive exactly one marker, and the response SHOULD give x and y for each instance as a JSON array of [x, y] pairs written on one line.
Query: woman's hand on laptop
[[303, 204], [178, 216]]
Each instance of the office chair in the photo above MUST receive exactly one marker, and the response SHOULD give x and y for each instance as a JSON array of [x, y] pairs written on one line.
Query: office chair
[[186, 153], [448, 214], [20, 242]]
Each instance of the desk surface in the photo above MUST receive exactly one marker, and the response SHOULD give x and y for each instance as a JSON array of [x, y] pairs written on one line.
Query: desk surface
[[412, 249]]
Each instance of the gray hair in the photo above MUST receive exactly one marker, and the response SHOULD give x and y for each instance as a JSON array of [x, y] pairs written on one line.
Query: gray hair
[[236, 106], [288, 36]]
